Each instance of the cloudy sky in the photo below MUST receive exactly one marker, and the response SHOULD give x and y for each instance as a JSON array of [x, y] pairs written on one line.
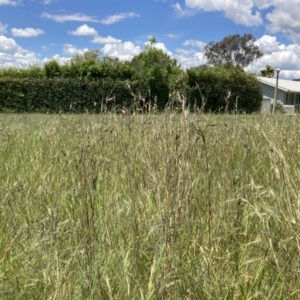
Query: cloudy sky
[[33, 31]]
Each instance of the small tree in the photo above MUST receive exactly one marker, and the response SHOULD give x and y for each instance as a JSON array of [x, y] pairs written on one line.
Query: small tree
[[90, 55], [233, 50], [155, 73], [267, 72]]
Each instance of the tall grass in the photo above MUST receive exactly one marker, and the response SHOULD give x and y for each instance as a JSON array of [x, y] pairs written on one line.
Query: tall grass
[[149, 207]]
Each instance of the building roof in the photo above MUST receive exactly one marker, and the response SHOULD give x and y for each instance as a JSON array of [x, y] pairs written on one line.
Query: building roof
[[288, 86]]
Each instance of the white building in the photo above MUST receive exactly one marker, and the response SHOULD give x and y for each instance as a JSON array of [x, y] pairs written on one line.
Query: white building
[[288, 93]]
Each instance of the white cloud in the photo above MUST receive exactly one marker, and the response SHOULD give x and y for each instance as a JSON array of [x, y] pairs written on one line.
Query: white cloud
[[18, 59], [27, 32], [185, 51], [183, 12], [8, 2], [73, 17], [276, 54], [11, 54], [285, 74], [160, 46], [263, 4], [240, 12], [112, 47], [172, 36], [85, 18], [284, 18], [60, 59], [189, 58], [284, 57], [123, 51], [269, 44], [118, 17], [70, 49], [84, 30], [191, 61], [8, 44], [177, 8], [105, 40], [3, 28], [194, 43]]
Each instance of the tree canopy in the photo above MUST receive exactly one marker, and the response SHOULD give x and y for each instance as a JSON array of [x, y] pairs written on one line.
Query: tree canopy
[[91, 55], [151, 80], [233, 50], [224, 89], [269, 72], [155, 72]]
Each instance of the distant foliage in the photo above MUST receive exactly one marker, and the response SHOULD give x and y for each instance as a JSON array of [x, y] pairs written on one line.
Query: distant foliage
[[152, 80], [155, 74], [269, 71], [225, 89], [33, 71], [52, 69], [233, 50]]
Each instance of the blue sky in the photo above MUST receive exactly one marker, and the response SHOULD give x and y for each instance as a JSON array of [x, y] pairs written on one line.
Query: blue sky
[[34, 31]]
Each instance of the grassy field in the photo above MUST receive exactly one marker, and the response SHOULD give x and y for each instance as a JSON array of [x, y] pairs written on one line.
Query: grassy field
[[149, 207]]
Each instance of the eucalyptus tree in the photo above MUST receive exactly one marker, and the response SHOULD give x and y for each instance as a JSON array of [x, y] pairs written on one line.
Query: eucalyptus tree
[[233, 50]]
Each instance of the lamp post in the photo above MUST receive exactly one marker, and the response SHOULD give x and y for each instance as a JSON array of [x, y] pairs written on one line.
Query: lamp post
[[276, 88]]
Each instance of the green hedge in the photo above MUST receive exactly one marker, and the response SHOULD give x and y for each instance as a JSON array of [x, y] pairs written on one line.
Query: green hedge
[[54, 95], [215, 83], [77, 95]]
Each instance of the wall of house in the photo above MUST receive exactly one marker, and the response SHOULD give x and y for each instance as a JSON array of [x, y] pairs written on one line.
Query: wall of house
[[269, 92], [292, 97], [266, 105]]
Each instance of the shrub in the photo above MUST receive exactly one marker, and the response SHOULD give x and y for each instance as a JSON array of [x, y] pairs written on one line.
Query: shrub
[[223, 88], [52, 68], [278, 108]]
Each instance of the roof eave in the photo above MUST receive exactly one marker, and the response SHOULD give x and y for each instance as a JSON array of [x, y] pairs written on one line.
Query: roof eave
[[280, 88]]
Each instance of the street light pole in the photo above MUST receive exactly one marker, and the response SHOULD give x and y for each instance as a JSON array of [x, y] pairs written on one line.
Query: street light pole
[[276, 88]]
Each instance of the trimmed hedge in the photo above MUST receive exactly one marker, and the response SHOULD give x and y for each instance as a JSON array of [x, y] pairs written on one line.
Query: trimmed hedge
[[78, 95], [54, 95]]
